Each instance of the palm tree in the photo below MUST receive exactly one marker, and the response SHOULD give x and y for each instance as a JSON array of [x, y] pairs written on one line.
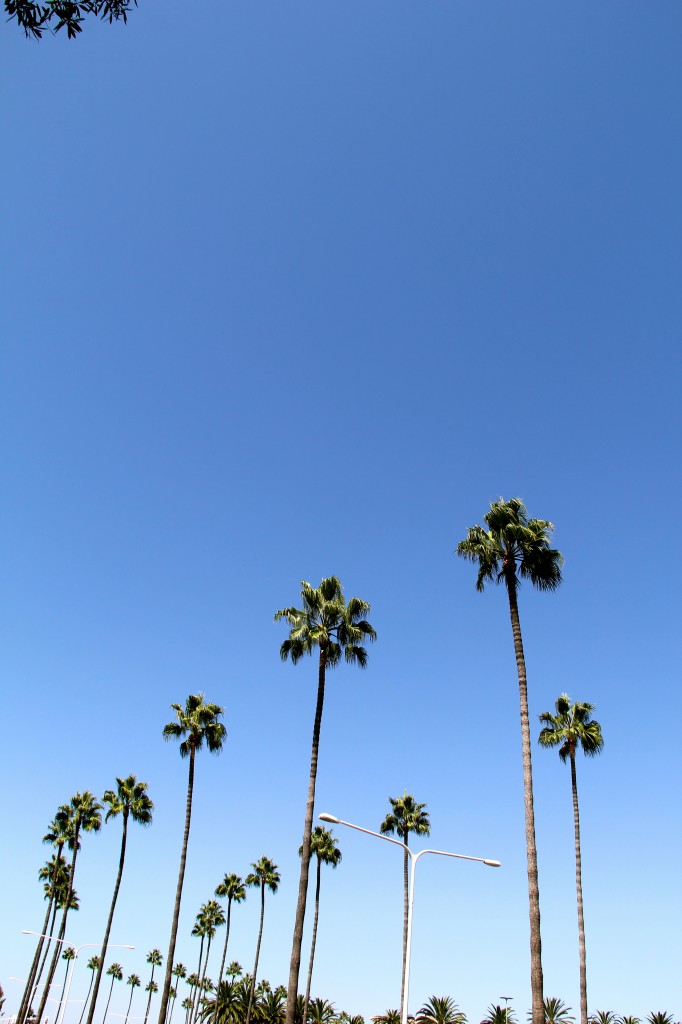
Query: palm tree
[[186, 1005], [555, 1011], [660, 1017], [231, 887], [134, 982], [57, 870], [264, 876], [603, 1017], [155, 958], [93, 965], [496, 1014], [130, 801], [327, 623], [440, 1010], [213, 918], [81, 814], [115, 972], [406, 816], [198, 931], [179, 972], [197, 723], [272, 1007], [512, 549], [389, 1017], [68, 954], [324, 846], [152, 988], [629, 1020], [321, 1011], [568, 729]]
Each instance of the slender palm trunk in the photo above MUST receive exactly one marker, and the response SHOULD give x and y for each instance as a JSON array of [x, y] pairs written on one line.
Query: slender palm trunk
[[579, 894], [531, 851], [313, 941], [197, 987], [255, 966], [28, 989], [39, 975], [130, 1003], [172, 1006], [61, 994], [85, 1004], [227, 935], [111, 989], [203, 978], [406, 911], [178, 894], [62, 928], [107, 932], [295, 964], [149, 998]]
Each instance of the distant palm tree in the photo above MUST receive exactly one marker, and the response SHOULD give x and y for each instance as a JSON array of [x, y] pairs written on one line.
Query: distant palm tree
[[130, 801], [82, 814], [264, 876], [323, 846], [197, 724], [186, 1005], [155, 958], [231, 887], [660, 1017], [327, 624], [93, 964], [179, 972], [321, 1011], [570, 728], [440, 1010], [511, 549], [389, 1017], [603, 1017], [629, 1020], [271, 1009], [496, 1014], [115, 972], [555, 1012], [213, 918], [134, 982], [406, 816], [68, 955]]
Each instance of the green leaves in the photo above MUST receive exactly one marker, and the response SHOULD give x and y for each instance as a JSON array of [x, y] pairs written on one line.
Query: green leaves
[[571, 727], [198, 721], [34, 18], [326, 622]]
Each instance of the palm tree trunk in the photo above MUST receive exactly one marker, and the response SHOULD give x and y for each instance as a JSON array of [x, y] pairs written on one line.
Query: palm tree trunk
[[130, 1003], [255, 966], [85, 1004], [203, 978], [197, 988], [149, 998], [313, 941], [227, 935], [61, 995], [111, 989], [531, 851], [62, 928], [98, 976], [28, 989], [406, 911], [45, 955], [579, 894], [295, 964], [178, 894]]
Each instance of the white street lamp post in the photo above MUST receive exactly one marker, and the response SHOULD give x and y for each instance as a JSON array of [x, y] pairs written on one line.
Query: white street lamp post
[[62, 1006], [506, 1007], [414, 857]]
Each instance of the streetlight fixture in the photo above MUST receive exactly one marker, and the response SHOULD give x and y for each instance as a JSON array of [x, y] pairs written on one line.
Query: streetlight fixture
[[414, 857], [62, 1005], [506, 1007]]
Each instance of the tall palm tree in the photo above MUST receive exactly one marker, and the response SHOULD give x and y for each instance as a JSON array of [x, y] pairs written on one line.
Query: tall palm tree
[[323, 845], [570, 728], [440, 1010], [57, 870], [328, 624], [231, 887], [406, 816], [515, 548], [213, 918], [83, 814], [68, 955], [115, 972], [130, 801], [155, 958], [496, 1014], [179, 972], [264, 876], [196, 724], [152, 988], [93, 965], [134, 982], [198, 932]]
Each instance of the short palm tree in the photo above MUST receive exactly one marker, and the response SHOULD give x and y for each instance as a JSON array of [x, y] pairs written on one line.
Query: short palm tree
[[81, 814], [134, 982], [570, 728], [130, 801], [196, 724], [406, 816], [555, 1011], [321, 1011], [660, 1017], [331, 626], [440, 1010], [264, 876], [603, 1017], [115, 972], [323, 846], [93, 966], [232, 888], [68, 955], [496, 1014], [515, 548], [271, 1009], [155, 958], [389, 1017]]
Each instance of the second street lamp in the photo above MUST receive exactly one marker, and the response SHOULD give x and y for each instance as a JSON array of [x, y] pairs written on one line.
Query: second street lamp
[[414, 857]]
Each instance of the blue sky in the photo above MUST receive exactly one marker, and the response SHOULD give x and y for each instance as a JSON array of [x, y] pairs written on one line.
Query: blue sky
[[293, 290]]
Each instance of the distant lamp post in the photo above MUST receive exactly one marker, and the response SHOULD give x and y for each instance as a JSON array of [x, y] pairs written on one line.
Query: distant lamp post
[[506, 1007], [414, 857]]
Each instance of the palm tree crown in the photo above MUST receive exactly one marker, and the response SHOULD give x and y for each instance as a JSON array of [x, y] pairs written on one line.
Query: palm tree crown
[[570, 728], [197, 723], [406, 816], [440, 1010], [325, 621]]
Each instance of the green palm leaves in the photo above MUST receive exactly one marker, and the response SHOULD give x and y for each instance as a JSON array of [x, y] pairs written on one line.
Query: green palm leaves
[[265, 875], [440, 1010], [231, 888]]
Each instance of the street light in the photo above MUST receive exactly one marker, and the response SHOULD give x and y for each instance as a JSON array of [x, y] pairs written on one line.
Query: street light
[[414, 857], [506, 1007], [62, 1005]]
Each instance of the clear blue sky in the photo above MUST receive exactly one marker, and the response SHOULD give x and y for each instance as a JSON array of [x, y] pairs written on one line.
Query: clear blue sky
[[292, 290]]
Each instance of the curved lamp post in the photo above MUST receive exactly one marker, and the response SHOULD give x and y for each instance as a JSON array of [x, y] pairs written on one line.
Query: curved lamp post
[[62, 1006], [414, 857]]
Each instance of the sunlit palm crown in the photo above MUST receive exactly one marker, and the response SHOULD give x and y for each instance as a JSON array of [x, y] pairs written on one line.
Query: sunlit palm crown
[[512, 548], [264, 874], [155, 957], [571, 727], [323, 845], [116, 972], [496, 1014], [134, 981], [232, 888], [407, 816], [198, 721], [131, 799], [326, 621], [61, 829], [440, 1010]]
